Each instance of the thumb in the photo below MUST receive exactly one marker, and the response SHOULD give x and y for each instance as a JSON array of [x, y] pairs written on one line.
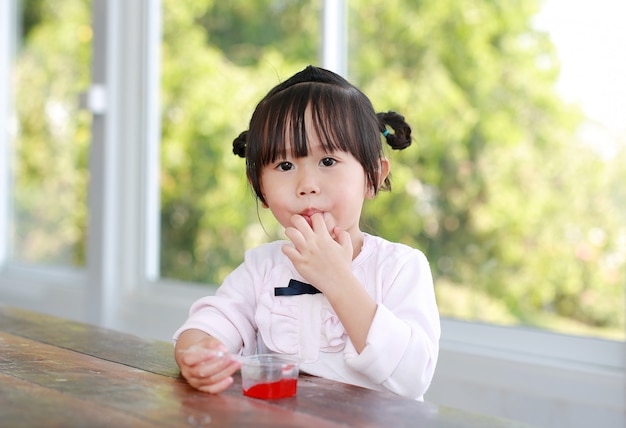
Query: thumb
[[343, 238]]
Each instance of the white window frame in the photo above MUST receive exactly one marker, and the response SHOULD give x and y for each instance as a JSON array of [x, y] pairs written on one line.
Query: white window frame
[[120, 288]]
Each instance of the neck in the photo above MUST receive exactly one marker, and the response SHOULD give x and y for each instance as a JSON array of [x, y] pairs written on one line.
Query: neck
[[357, 243]]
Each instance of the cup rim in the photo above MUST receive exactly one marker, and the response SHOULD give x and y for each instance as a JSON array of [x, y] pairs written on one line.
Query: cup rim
[[259, 360]]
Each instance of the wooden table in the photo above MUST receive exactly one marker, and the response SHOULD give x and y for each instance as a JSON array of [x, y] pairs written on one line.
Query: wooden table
[[60, 373]]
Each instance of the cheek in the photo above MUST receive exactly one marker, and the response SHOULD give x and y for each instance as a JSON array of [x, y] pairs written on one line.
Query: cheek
[[273, 195]]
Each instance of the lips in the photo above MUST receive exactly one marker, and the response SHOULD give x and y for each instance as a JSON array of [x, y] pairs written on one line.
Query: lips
[[308, 213]]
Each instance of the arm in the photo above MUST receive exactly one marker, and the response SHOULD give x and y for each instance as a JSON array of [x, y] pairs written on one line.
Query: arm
[[217, 325], [354, 307], [394, 332], [403, 341]]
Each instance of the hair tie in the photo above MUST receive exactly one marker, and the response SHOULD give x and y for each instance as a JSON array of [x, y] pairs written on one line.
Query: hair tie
[[385, 132]]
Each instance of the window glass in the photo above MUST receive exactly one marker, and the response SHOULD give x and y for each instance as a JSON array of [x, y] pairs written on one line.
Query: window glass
[[521, 217], [219, 59], [51, 133], [521, 214]]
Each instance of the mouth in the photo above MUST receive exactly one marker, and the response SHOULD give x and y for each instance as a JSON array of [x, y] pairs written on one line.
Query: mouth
[[307, 214]]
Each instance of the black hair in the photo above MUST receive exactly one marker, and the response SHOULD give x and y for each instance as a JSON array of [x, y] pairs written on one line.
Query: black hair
[[342, 116]]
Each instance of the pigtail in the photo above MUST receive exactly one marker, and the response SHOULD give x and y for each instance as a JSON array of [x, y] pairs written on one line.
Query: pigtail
[[400, 139], [239, 144]]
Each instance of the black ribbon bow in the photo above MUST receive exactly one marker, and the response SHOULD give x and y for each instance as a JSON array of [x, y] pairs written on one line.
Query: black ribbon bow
[[295, 288]]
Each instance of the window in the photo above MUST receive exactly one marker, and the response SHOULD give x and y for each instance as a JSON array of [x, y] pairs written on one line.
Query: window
[[219, 59], [51, 134], [203, 79], [518, 215]]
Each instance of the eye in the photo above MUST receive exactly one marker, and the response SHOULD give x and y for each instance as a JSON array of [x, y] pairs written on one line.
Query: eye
[[328, 162], [284, 166]]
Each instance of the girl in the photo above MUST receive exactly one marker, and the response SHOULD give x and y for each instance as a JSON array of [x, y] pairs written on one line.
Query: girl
[[350, 306]]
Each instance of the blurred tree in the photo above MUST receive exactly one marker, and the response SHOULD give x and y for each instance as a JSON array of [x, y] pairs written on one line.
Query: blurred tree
[[209, 92], [486, 192], [522, 222], [50, 185], [242, 30], [499, 182]]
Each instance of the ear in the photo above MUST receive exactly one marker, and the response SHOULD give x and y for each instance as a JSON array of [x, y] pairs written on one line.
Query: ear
[[383, 172]]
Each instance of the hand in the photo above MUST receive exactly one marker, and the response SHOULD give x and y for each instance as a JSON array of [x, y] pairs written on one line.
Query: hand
[[324, 259], [204, 362], [319, 256]]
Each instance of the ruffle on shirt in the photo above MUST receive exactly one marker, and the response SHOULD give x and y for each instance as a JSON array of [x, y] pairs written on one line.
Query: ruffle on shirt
[[300, 325]]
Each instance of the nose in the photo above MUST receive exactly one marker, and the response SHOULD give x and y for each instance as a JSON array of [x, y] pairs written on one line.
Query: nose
[[308, 183]]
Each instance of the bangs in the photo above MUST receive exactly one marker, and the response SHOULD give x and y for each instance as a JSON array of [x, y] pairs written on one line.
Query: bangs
[[285, 126]]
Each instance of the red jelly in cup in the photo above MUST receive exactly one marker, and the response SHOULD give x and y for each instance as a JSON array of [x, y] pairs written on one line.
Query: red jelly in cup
[[269, 376]]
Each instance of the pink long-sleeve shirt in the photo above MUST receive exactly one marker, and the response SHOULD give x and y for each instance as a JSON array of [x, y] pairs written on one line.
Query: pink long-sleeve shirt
[[403, 342]]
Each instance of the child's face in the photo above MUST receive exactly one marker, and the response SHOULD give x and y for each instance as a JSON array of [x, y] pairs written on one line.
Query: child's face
[[330, 183]]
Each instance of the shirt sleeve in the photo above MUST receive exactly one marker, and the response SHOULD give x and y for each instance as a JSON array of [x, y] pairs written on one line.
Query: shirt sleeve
[[229, 314], [402, 345]]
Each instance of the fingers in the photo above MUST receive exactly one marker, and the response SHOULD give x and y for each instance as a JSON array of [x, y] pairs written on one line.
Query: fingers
[[300, 223], [207, 367], [196, 355], [218, 387], [342, 237], [301, 227], [213, 376], [317, 235], [319, 222], [295, 236]]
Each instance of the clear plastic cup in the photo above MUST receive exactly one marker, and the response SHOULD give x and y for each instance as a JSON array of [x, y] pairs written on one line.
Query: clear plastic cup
[[269, 376]]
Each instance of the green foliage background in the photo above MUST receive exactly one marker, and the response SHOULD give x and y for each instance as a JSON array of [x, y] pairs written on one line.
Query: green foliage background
[[522, 222]]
